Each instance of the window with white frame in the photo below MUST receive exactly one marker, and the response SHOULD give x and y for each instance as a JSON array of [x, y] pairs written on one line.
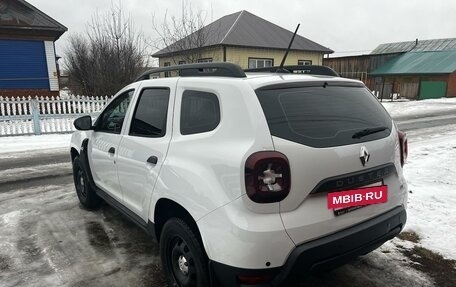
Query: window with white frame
[[205, 60], [304, 62], [260, 63], [181, 63], [167, 64]]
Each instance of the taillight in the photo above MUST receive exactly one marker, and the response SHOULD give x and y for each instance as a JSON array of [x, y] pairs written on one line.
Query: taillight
[[403, 145], [267, 177]]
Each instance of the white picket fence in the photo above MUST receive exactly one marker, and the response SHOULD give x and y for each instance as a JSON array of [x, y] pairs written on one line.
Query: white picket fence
[[45, 115]]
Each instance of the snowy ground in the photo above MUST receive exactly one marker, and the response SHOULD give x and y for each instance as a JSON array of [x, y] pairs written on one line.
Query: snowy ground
[[420, 108], [430, 172], [17, 144]]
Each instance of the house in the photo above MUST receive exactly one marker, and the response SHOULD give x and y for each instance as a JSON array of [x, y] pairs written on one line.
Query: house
[[244, 39], [359, 67], [426, 70], [27, 54], [419, 69]]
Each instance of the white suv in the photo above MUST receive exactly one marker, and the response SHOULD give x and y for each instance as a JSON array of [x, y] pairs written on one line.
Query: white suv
[[246, 180]]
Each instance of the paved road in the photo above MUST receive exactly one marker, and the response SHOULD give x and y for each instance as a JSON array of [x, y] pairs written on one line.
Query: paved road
[[426, 121], [48, 239]]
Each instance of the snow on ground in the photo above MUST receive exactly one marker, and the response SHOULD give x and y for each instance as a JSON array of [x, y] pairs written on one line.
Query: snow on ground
[[407, 108], [430, 173], [16, 144], [30, 172]]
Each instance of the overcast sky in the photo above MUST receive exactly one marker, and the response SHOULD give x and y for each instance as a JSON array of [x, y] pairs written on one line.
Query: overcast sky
[[345, 26]]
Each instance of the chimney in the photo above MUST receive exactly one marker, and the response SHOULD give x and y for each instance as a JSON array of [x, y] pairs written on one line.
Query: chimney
[[416, 42]]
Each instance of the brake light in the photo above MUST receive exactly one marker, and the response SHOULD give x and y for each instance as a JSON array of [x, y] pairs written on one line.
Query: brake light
[[403, 145], [267, 177]]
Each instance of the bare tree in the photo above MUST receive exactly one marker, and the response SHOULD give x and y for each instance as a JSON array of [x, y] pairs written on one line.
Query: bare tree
[[108, 56], [183, 36]]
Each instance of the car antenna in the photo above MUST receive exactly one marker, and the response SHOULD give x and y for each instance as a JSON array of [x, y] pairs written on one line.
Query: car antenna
[[288, 50]]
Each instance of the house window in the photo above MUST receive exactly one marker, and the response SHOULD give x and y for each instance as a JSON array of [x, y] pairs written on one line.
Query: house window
[[167, 64], [304, 62], [260, 63], [181, 63], [205, 60]]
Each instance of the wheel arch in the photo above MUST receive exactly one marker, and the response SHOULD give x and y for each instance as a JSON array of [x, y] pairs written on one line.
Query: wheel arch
[[74, 153], [166, 209]]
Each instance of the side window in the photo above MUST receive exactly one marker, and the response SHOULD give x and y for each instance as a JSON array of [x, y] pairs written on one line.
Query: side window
[[304, 62], [167, 64], [149, 119], [112, 118], [205, 60], [200, 112], [260, 63]]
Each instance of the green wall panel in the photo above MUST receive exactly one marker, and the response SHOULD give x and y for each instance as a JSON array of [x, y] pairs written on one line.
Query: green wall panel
[[432, 89]]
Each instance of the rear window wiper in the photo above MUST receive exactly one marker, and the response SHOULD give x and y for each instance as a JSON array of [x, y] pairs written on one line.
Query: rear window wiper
[[366, 132]]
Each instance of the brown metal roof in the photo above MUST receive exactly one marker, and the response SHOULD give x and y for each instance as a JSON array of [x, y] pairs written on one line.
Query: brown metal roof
[[21, 15], [246, 29]]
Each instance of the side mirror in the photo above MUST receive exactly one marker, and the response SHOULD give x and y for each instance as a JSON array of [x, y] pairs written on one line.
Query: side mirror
[[83, 123]]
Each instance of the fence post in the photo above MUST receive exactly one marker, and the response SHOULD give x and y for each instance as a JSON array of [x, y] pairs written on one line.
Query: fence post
[[36, 117]]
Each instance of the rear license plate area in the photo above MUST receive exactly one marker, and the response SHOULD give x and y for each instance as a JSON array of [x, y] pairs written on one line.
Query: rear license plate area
[[342, 202]]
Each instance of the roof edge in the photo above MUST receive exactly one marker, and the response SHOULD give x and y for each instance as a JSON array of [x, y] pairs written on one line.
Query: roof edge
[[158, 54], [63, 27], [232, 26]]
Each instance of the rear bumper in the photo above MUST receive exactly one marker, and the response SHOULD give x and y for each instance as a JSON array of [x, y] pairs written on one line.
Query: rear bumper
[[321, 254]]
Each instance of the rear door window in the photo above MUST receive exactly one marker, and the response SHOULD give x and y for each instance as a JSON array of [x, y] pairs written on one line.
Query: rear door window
[[149, 119], [324, 116], [200, 112]]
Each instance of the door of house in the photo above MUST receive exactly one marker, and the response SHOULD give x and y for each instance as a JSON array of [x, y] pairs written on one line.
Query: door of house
[[409, 90], [432, 89]]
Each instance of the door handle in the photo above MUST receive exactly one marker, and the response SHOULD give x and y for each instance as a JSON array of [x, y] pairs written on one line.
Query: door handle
[[152, 160], [112, 150]]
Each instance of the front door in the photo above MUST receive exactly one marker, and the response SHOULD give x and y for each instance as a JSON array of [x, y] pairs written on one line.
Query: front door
[[143, 148], [104, 144]]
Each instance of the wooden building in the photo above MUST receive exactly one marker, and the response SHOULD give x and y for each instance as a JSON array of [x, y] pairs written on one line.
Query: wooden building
[[359, 67], [27, 53], [414, 69]]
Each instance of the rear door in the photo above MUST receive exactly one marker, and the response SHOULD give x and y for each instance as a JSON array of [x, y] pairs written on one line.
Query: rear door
[[104, 144], [319, 127], [143, 148]]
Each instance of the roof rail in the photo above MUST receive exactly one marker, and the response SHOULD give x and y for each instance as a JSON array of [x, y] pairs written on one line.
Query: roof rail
[[301, 69], [220, 69]]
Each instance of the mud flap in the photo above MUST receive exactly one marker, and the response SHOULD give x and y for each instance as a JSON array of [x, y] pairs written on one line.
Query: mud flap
[[85, 163]]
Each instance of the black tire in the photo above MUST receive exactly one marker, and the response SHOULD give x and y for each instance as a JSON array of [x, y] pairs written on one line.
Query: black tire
[[87, 196], [183, 258]]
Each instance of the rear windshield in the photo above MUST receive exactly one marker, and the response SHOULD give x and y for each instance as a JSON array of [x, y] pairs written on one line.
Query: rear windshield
[[324, 116]]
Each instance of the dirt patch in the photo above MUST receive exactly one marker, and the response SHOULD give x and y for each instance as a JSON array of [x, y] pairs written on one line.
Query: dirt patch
[[98, 237], [409, 236], [441, 270], [153, 276], [30, 249], [5, 263]]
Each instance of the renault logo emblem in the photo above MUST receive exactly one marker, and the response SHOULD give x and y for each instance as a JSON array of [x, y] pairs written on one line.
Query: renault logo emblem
[[364, 155]]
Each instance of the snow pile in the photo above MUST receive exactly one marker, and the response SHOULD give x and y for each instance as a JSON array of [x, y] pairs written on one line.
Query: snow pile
[[27, 143]]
